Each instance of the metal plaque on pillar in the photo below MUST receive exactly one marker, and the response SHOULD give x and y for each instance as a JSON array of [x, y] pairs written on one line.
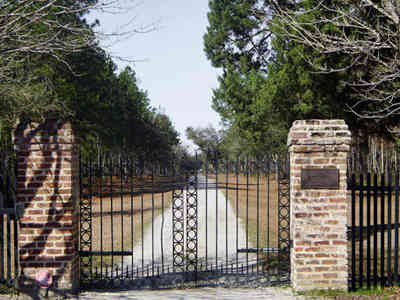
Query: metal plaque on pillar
[[320, 179]]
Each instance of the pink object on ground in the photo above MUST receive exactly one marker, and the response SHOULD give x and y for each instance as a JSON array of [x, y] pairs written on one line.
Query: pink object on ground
[[44, 278]]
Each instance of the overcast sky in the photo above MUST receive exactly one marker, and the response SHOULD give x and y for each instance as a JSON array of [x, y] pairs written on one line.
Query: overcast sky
[[170, 62]]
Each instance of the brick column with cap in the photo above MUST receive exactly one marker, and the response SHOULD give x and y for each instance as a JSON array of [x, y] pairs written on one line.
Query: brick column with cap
[[318, 189], [48, 188]]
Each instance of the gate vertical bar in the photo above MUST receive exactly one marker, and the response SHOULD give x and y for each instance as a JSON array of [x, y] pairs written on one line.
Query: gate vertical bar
[[283, 167], [142, 191], [16, 251], [237, 212], [206, 191], [375, 243], [361, 224], [382, 258], [353, 224], [9, 261], [247, 213], [368, 230], [85, 223], [111, 166], [216, 165], [226, 208], [268, 206], [101, 215], [121, 190], [162, 231], [90, 190], [2, 247], [152, 218], [396, 236], [132, 210], [191, 223], [258, 215], [389, 222], [178, 248]]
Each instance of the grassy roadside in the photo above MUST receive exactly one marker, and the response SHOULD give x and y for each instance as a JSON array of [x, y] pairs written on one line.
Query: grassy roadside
[[360, 294]]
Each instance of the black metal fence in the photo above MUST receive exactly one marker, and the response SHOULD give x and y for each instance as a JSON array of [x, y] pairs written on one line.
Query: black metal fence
[[9, 260], [374, 230], [208, 222]]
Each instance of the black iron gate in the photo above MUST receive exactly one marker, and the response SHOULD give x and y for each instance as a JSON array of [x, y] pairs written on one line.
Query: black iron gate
[[9, 224], [9, 258], [199, 223], [373, 233]]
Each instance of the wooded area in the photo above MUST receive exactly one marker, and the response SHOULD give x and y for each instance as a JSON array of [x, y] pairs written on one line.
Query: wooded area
[[52, 66], [280, 61], [284, 60]]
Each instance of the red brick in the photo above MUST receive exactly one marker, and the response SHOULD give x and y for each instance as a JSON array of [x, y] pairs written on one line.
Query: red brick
[[297, 135], [302, 215], [320, 215], [339, 242], [302, 161], [329, 262], [54, 251], [338, 200], [304, 255], [321, 243], [312, 249], [320, 161], [322, 269], [332, 222], [330, 275], [304, 269]]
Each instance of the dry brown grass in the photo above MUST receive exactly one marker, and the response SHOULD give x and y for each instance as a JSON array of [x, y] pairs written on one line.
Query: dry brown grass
[[121, 218], [255, 199], [118, 222]]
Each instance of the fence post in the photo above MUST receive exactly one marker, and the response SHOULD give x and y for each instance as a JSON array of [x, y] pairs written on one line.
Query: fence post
[[48, 188], [318, 188]]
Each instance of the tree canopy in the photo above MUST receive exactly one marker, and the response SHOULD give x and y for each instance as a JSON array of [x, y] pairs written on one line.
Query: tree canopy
[[236, 32], [52, 67], [207, 139], [367, 33], [32, 34], [268, 81]]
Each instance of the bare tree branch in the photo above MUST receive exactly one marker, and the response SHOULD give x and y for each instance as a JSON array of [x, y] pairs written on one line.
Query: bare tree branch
[[49, 29], [366, 32]]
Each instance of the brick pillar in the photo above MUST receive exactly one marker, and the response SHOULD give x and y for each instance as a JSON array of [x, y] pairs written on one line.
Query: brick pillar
[[47, 186], [319, 204]]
